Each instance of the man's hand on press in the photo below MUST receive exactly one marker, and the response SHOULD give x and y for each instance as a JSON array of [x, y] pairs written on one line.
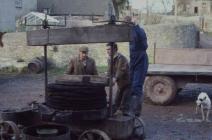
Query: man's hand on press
[[114, 80]]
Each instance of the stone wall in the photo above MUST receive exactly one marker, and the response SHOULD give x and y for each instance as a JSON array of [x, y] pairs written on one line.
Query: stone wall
[[197, 20], [172, 35], [15, 48]]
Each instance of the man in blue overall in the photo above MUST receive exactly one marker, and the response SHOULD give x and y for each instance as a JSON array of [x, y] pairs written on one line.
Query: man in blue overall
[[138, 68]]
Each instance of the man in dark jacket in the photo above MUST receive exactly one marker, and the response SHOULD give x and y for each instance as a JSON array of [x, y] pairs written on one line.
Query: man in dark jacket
[[138, 67], [82, 64], [120, 76]]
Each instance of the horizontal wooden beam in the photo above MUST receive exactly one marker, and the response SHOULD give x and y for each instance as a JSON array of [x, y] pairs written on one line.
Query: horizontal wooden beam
[[179, 70], [79, 35], [94, 79]]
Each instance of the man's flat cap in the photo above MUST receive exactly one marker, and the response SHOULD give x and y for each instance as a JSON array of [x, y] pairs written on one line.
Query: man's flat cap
[[111, 44], [83, 49]]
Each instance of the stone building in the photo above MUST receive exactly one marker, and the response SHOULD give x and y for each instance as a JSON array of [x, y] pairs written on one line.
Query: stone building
[[194, 7], [11, 10]]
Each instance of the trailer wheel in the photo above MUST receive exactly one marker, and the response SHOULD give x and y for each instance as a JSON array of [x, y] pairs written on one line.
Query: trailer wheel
[[160, 90], [9, 130], [94, 134]]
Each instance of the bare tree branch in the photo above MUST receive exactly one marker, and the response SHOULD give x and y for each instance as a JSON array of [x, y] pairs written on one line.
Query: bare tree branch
[[1, 36], [119, 5]]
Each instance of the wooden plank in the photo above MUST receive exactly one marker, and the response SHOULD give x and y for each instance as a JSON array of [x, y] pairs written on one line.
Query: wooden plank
[[79, 35], [93, 79], [184, 56], [164, 69]]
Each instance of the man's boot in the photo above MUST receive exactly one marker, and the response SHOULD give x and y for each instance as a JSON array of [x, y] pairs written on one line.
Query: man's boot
[[139, 108], [132, 106]]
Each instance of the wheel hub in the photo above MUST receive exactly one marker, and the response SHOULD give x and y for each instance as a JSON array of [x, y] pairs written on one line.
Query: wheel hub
[[159, 88]]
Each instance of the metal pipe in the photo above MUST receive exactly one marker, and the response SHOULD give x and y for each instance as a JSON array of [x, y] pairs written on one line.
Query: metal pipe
[[111, 81], [45, 69], [45, 26]]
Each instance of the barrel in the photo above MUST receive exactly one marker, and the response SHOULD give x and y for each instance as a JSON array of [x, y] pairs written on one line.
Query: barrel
[[47, 132], [36, 65]]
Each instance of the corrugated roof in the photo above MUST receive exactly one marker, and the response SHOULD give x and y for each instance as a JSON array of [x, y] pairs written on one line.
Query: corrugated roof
[[41, 16]]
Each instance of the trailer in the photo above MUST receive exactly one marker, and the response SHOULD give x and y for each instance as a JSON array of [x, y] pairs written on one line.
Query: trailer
[[173, 68]]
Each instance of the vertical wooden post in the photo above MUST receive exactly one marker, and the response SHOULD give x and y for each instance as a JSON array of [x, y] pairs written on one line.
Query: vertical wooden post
[[45, 70], [45, 26], [111, 81], [154, 51]]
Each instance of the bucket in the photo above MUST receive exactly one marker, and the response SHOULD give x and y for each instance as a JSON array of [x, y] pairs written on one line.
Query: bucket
[[25, 117]]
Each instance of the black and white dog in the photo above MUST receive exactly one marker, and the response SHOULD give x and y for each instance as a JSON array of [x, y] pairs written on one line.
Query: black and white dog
[[204, 104]]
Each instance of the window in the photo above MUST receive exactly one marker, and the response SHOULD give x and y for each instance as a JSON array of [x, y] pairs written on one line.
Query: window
[[204, 5], [195, 10], [18, 3]]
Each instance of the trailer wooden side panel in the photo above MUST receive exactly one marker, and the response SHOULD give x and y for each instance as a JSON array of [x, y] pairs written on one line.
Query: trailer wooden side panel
[[183, 56]]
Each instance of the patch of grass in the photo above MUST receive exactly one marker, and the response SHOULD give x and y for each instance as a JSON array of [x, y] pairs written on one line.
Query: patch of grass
[[9, 69], [57, 71], [101, 69], [150, 53], [13, 70], [209, 33]]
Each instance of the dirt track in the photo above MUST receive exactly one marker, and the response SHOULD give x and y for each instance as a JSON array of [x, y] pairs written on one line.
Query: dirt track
[[177, 121]]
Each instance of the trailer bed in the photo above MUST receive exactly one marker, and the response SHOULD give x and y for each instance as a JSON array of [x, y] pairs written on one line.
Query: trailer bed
[[167, 69]]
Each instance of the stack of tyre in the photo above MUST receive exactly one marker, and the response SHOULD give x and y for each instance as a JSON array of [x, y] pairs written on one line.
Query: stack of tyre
[[76, 96]]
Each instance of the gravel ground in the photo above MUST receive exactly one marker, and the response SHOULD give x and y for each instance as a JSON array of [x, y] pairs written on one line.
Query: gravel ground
[[177, 121]]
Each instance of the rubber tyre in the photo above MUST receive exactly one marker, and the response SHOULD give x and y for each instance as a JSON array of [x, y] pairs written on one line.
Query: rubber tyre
[[76, 97], [161, 90], [94, 132]]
